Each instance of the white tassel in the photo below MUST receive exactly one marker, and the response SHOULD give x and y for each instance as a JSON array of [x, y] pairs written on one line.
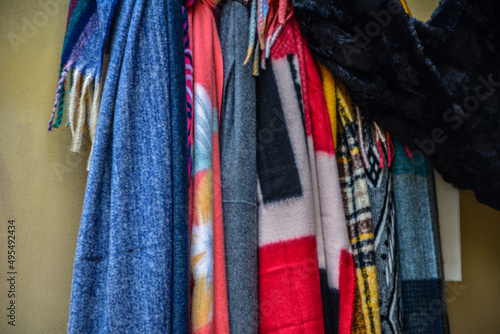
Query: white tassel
[[73, 98], [271, 40], [381, 135], [94, 111], [94, 114], [82, 113]]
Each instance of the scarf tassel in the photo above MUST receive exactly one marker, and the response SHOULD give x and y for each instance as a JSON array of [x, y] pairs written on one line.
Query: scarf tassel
[[59, 100], [83, 99], [267, 18]]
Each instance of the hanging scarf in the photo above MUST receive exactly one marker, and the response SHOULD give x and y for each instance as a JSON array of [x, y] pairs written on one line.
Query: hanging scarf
[[81, 70], [343, 283], [336, 262], [435, 86], [130, 272], [358, 216], [209, 310], [289, 283], [377, 154], [423, 290], [238, 140]]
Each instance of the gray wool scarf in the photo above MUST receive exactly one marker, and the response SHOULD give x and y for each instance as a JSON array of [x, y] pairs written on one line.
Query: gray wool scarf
[[239, 170]]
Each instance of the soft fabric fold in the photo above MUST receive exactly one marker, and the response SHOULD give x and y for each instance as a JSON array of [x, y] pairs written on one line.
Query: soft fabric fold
[[131, 258], [289, 283], [358, 217], [209, 310], [238, 140], [335, 258]]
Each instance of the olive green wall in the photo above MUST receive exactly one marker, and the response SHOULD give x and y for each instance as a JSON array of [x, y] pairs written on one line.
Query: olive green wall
[[474, 303], [41, 183], [42, 187]]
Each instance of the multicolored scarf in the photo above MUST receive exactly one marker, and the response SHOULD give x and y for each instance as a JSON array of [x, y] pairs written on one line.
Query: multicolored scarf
[[209, 310], [344, 282], [130, 272], [336, 262], [377, 152], [81, 71], [358, 216], [289, 283], [421, 81], [315, 210]]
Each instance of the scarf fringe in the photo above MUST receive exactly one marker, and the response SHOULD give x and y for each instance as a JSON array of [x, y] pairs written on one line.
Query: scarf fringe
[[82, 100], [267, 18], [74, 99], [95, 95], [382, 142], [58, 103], [80, 116]]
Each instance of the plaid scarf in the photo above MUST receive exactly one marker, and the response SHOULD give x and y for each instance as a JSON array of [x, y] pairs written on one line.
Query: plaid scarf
[[338, 281], [358, 217]]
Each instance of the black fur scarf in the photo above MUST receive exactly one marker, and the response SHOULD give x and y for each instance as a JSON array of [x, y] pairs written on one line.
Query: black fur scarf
[[435, 86]]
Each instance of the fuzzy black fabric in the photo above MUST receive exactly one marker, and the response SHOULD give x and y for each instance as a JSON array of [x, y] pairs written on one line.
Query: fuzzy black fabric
[[433, 85]]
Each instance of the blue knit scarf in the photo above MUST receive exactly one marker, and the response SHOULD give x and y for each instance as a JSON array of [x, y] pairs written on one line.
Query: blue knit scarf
[[131, 270], [423, 289]]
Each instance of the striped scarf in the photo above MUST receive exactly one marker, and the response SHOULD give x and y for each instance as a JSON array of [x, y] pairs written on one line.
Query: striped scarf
[[81, 70]]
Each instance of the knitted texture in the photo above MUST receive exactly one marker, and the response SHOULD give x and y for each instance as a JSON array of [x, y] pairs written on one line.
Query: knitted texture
[[130, 272], [375, 150], [423, 290], [433, 85], [238, 140]]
